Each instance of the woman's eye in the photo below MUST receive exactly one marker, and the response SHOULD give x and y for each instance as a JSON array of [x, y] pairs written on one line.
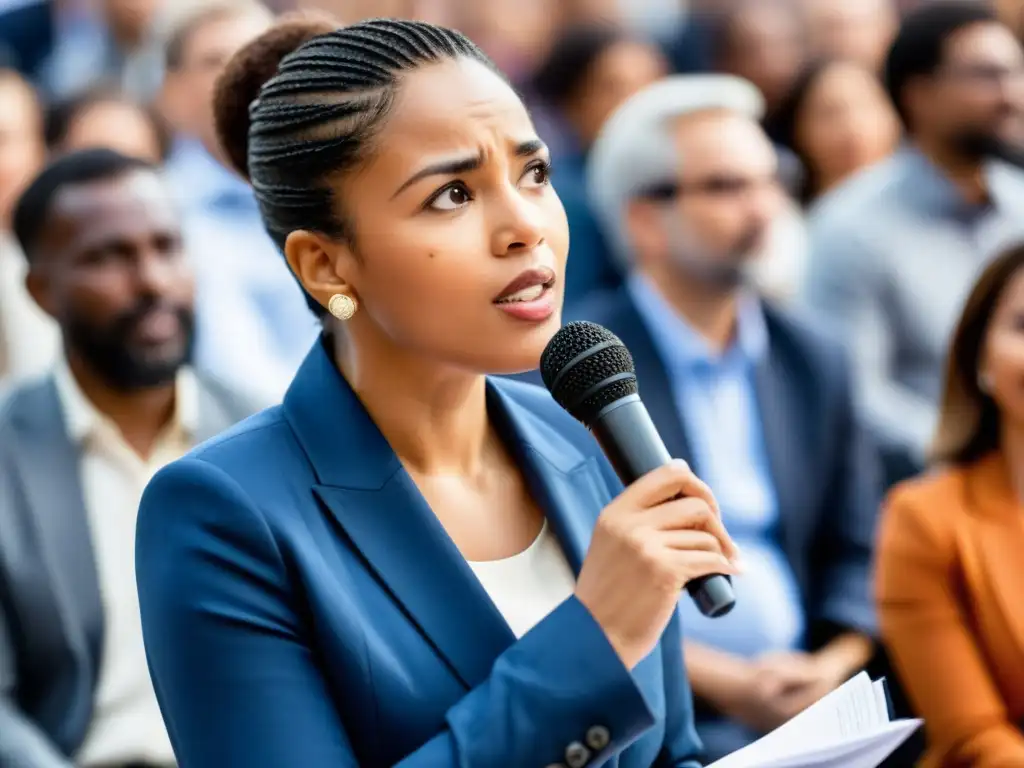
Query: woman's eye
[[451, 197], [538, 175]]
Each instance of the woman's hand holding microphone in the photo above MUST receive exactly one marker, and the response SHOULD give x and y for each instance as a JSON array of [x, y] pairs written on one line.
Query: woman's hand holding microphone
[[659, 533]]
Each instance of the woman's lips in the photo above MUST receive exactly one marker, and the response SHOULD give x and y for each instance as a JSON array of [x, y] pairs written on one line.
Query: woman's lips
[[533, 304], [528, 278]]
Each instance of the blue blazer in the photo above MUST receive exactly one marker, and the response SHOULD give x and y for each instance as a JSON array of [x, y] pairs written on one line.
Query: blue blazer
[[302, 606]]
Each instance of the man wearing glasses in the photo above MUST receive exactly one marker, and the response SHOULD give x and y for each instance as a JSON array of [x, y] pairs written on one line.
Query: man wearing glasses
[[685, 182]]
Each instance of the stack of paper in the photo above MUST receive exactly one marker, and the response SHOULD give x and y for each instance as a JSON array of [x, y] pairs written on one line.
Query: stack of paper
[[849, 728]]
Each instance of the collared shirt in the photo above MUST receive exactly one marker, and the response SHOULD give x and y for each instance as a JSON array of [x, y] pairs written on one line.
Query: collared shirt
[[253, 325], [717, 402], [894, 252], [127, 725]]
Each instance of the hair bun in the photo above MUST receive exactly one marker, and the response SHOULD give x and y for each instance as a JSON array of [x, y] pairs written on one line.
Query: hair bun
[[240, 82]]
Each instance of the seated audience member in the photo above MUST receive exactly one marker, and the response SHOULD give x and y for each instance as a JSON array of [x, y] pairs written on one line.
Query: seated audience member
[[28, 338], [104, 117], [895, 249], [253, 326], [685, 181], [589, 72], [77, 448], [951, 546], [837, 120]]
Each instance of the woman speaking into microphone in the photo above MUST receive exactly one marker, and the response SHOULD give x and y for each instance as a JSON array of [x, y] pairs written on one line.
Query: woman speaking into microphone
[[408, 563]]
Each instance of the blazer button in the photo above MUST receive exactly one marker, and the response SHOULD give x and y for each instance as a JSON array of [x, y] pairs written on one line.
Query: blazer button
[[576, 755], [598, 738]]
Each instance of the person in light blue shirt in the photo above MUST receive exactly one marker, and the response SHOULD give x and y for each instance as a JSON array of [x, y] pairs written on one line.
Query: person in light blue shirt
[[253, 325], [685, 183], [896, 248]]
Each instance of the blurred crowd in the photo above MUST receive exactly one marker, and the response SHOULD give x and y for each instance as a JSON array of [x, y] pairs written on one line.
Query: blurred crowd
[[789, 210]]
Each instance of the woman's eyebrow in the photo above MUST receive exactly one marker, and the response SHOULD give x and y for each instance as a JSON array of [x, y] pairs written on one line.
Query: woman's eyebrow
[[451, 167], [456, 165], [530, 147]]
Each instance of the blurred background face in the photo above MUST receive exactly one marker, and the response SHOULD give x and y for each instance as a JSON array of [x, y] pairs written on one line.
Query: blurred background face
[[764, 43], [620, 71], [187, 98], [116, 125], [858, 31], [1003, 357], [22, 148], [846, 123], [977, 95], [727, 201], [112, 272]]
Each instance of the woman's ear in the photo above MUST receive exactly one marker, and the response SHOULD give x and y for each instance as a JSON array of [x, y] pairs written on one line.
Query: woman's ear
[[321, 265]]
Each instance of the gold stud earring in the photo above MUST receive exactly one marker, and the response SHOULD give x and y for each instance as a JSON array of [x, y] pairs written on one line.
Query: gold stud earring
[[341, 306]]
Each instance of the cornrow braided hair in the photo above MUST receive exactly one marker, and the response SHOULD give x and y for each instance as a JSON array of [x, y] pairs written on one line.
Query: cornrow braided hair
[[301, 104]]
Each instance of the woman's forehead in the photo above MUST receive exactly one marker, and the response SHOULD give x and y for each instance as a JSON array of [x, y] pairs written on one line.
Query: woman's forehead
[[455, 105]]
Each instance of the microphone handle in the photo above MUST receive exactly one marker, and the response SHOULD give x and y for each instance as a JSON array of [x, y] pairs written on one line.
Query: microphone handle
[[633, 446]]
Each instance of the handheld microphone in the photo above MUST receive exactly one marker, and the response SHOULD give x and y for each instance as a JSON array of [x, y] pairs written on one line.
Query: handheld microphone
[[590, 373]]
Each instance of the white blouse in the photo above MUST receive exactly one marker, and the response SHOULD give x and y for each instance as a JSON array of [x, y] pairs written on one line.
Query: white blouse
[[528, 586]]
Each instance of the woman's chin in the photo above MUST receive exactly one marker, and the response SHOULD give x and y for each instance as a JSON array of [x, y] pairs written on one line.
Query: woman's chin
[[514, 358], [523, 353], [510, 365]]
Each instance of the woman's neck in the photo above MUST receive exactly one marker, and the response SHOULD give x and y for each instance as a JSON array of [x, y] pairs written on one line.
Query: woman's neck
[[433, 416]]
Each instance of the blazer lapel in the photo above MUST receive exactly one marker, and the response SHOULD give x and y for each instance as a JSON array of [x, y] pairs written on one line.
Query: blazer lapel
[[366, 490], [412, 555], [782, 414], [48, 465]]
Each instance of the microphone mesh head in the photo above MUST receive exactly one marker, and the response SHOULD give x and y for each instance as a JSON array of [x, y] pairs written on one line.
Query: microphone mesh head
[[586, 367]]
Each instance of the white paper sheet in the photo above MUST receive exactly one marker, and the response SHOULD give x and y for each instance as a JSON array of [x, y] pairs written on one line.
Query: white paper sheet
[[849, 728]]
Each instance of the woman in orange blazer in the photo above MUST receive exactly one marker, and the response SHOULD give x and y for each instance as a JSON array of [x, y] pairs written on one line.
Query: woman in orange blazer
[[950, 578]]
